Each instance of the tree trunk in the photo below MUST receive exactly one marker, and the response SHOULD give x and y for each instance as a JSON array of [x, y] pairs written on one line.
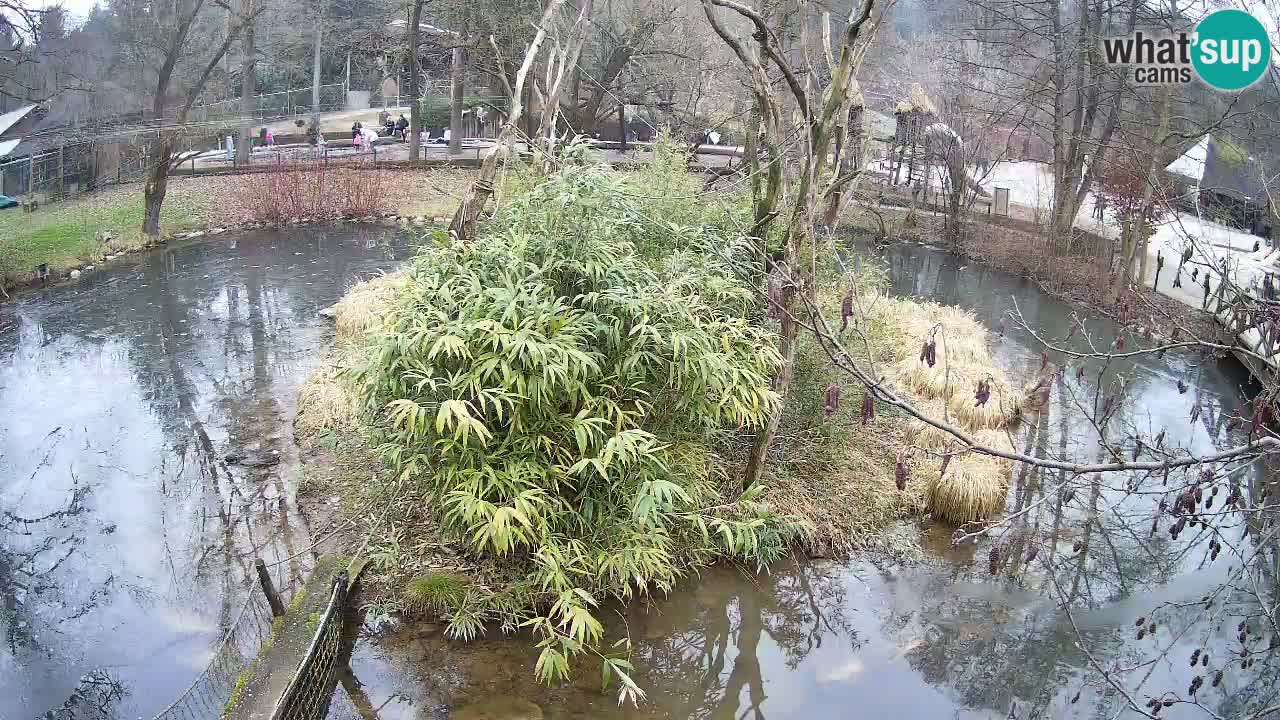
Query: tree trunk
[[1128, 242], [315, 69], [759, 457], [248, 87], [578, 121], [462, 229], [953, 219], [415, 73], [457, 78], [156, 186], [1136, 227]]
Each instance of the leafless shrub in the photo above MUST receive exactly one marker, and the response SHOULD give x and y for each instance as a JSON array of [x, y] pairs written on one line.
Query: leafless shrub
[[308, 190]]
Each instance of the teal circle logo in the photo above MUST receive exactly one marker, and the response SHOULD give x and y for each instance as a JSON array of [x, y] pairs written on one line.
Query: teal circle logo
[[1231, 50]]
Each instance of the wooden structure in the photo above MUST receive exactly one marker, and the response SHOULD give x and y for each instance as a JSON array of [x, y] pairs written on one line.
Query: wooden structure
[[1254, 328], [909, 151]]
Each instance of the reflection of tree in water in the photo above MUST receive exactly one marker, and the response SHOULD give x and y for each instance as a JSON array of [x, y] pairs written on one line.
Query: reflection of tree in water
[[1002, 642], [96, 697], [1093, 552], [202, 331], [796, 608], [29, 572]]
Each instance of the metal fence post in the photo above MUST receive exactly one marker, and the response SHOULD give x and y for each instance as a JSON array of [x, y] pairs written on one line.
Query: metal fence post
[[269, 589]]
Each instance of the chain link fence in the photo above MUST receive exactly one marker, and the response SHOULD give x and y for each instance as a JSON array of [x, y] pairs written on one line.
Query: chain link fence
[[310, 691]]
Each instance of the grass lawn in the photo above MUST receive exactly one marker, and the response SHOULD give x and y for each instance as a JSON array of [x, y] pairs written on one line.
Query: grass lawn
[[64, 235], [430, 193]]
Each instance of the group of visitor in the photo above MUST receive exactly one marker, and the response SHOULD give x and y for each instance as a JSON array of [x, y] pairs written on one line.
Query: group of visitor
[[363, 137]]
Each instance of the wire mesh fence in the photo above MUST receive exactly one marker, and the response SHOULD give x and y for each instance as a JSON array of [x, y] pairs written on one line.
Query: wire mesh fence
[[206, 698], [65, 171], [287, 103], [310, 691]]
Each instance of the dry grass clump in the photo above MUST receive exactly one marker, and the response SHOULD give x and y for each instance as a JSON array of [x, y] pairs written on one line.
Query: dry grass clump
[[974, 486], [366, 305], [840, 476], [326, 401]]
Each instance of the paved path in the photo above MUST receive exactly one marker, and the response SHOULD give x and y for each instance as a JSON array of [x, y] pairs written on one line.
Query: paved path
[[262, 683]]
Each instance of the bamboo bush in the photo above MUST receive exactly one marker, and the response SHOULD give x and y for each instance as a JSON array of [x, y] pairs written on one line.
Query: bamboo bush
[[565, 402]]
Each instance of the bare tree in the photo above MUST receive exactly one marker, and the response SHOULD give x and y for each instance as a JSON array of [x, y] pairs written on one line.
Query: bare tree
[[248, 82], [413, 35], [463, 226], [457, 91], [820, 120], [315, 66], [176, 52]]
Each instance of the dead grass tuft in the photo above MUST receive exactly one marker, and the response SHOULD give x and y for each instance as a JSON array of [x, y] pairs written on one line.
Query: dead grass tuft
[[365, 306], [974, 486], [326, 400], [839, 476]]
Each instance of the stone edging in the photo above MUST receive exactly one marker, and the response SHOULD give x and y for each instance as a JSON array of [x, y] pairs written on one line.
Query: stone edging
[[386, 219]]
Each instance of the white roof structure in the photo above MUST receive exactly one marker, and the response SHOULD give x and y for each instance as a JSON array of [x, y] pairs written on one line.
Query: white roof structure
[[13, 117], [7, 146], [1190, 164], [424, 26]]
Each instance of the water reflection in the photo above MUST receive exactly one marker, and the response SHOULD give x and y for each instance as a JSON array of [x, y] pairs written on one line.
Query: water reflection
[[944, 638], [126, 534]]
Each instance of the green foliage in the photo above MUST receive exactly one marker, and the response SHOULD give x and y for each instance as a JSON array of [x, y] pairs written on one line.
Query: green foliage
[[63, 234], [435, 110], [1229, 152], [435, 592], [238, 691], [563, 388]]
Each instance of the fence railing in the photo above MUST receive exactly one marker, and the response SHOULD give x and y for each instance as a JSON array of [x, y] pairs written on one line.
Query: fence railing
[[68, 170], [287, 103], [207, 696], [310, 691]]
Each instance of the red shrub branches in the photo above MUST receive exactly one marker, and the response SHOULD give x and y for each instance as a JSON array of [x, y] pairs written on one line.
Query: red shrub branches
[[1125, 186], [309, 191]]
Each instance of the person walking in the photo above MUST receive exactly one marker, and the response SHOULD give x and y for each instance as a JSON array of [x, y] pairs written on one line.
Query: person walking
[[402, 127]]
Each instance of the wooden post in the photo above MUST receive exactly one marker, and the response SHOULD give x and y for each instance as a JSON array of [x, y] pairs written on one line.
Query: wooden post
[[622, 126], [528, 116], [268, 589]]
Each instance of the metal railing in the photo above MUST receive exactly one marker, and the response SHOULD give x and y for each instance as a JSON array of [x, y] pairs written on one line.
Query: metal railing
[[67, 170], [310, 691]]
